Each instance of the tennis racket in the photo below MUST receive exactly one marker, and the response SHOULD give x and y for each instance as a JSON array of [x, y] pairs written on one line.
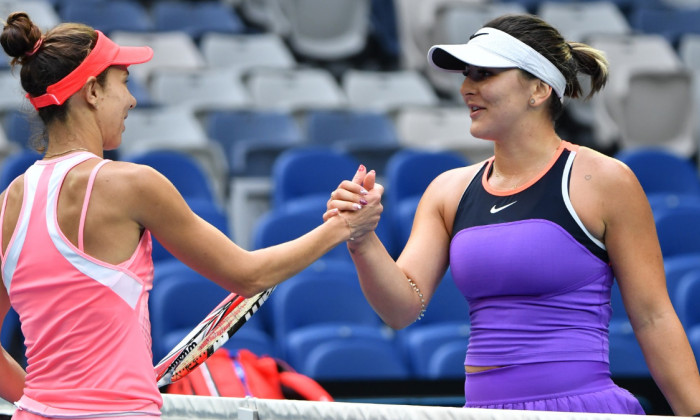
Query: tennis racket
[[213, 331]]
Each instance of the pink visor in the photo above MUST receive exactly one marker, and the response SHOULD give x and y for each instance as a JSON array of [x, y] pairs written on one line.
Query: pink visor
[[106, 53]]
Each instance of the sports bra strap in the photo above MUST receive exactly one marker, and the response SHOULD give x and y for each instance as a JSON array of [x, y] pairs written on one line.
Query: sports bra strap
[[86, 201]]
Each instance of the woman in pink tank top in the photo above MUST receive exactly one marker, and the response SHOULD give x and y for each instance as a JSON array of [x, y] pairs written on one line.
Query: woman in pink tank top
[[70, 269]]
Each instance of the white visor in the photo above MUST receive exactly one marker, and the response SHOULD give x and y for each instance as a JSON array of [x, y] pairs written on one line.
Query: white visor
[[492, 48]]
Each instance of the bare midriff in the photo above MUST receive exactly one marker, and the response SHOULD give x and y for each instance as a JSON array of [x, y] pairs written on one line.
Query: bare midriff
[[474, 369]]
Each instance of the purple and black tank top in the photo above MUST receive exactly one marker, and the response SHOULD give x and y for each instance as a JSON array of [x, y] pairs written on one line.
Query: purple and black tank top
[[537, 282]]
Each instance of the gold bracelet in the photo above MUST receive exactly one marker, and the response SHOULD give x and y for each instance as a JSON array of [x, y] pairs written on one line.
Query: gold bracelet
[[422, 300]]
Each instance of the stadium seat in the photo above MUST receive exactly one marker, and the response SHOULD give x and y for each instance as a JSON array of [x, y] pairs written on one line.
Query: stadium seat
[[679, 231], [367, 135], [448, 361], [200, 89], [580, 20], [444, 128], [15, 165], [242, 53], [422, 344], [355, 359], [11, 92], [300, 342], [207, 210], [21, 127], [308, 171], [387, 90], [109, 16], [12, 339], [408, 174], [171, 320], [196, 18], [252, 140], [42, 12], [670, 22], [174, 128], [282, 225], [661, 171], [626, 54], [294, 89], [182, 170], [626, 358], [685, 297], [384, 28], [640, 123], [327, 30], [171, 49], [312, 297]]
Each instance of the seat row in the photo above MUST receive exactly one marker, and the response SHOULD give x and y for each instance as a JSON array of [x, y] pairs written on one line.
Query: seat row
[[320, 323]]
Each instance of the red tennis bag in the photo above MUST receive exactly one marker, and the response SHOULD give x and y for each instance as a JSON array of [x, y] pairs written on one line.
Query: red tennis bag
[[246, 374]]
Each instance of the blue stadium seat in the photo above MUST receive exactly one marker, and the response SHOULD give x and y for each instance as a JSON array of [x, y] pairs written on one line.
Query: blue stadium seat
[[12, 339], [448, 361], [109, 16], [300, 342], [282, 225], [670, 22], [196, 18], [626, 358], [19, 127], [679, 231], [185, 172], [408, 174], [370, 136], [310, 170], [313, 297], [422, 343], [15, 165], [661, 171], [355, 359], [171, 320], [686, 296], [252, 140]]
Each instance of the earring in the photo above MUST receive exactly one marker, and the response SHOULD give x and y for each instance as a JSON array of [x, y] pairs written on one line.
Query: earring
[[532, 101]]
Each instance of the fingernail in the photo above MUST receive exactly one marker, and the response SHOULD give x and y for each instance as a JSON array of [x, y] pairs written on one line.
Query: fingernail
[[335, 211], [363, 201], [356, 206], [363, 191], [372, 171], [362, 168]]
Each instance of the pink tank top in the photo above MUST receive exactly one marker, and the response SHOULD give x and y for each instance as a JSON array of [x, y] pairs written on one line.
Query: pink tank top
[[85, 321]]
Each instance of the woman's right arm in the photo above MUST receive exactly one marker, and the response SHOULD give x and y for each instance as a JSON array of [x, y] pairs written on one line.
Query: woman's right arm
[[156, 205]]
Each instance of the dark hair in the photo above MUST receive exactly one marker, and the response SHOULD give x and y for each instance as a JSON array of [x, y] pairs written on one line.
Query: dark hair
[[60, 51], [570, 58]]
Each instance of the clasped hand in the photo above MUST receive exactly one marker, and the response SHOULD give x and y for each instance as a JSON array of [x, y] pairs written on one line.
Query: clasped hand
[[358, 202]]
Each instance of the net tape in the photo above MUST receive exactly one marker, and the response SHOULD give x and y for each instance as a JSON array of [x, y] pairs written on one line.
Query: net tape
[[184, 407]]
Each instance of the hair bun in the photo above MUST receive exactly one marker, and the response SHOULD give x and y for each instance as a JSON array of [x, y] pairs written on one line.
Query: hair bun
[[20, 37]]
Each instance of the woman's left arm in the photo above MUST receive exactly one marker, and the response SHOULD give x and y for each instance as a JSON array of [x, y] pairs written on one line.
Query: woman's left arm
[[629, 234]]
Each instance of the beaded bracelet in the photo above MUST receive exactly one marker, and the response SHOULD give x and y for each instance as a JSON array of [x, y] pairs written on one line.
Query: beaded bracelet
[[422, 301]]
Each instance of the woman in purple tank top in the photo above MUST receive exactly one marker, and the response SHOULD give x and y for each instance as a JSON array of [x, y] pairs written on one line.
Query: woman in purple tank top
[[534, 237]]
